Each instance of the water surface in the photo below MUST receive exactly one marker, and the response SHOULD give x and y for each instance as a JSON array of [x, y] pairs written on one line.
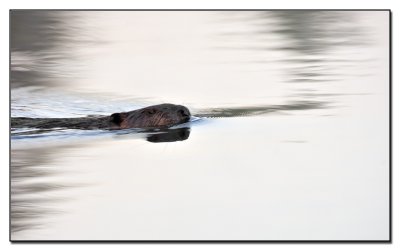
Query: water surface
[[289, 138]]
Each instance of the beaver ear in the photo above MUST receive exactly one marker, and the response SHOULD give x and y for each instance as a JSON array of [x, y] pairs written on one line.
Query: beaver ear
[[117, 118]]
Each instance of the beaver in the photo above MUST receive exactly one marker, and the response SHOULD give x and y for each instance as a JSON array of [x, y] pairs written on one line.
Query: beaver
[[156, 116]]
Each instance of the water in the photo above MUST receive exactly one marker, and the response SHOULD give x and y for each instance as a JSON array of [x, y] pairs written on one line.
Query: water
[[289, 139]]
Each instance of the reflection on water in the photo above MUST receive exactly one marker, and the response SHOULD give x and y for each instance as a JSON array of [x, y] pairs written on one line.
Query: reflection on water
[[171, 135], [40, 43], [288, 139], [318, 32], [34, 192]]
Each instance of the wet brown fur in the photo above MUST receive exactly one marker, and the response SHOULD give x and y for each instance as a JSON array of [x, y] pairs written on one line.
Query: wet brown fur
[[157, 116]]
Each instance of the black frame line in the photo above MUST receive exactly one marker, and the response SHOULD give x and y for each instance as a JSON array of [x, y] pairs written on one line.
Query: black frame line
[[389, 241]]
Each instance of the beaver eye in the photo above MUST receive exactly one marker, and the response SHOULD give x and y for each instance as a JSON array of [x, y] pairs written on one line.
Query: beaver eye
[[151, 111]]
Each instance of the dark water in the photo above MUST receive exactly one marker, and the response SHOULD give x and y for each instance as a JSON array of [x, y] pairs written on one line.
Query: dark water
[[289, 138]]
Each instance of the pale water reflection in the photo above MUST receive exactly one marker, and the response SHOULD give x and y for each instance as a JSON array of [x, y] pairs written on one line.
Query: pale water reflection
[[289, 138]]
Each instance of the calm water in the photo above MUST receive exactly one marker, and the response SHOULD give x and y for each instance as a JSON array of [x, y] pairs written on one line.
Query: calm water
[[289, 140]]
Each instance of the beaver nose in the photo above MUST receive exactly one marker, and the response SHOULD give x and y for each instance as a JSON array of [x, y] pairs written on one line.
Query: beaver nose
[[184, 113]]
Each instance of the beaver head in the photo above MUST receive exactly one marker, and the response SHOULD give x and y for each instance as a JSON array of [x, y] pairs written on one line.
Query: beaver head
[[156, 116]]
